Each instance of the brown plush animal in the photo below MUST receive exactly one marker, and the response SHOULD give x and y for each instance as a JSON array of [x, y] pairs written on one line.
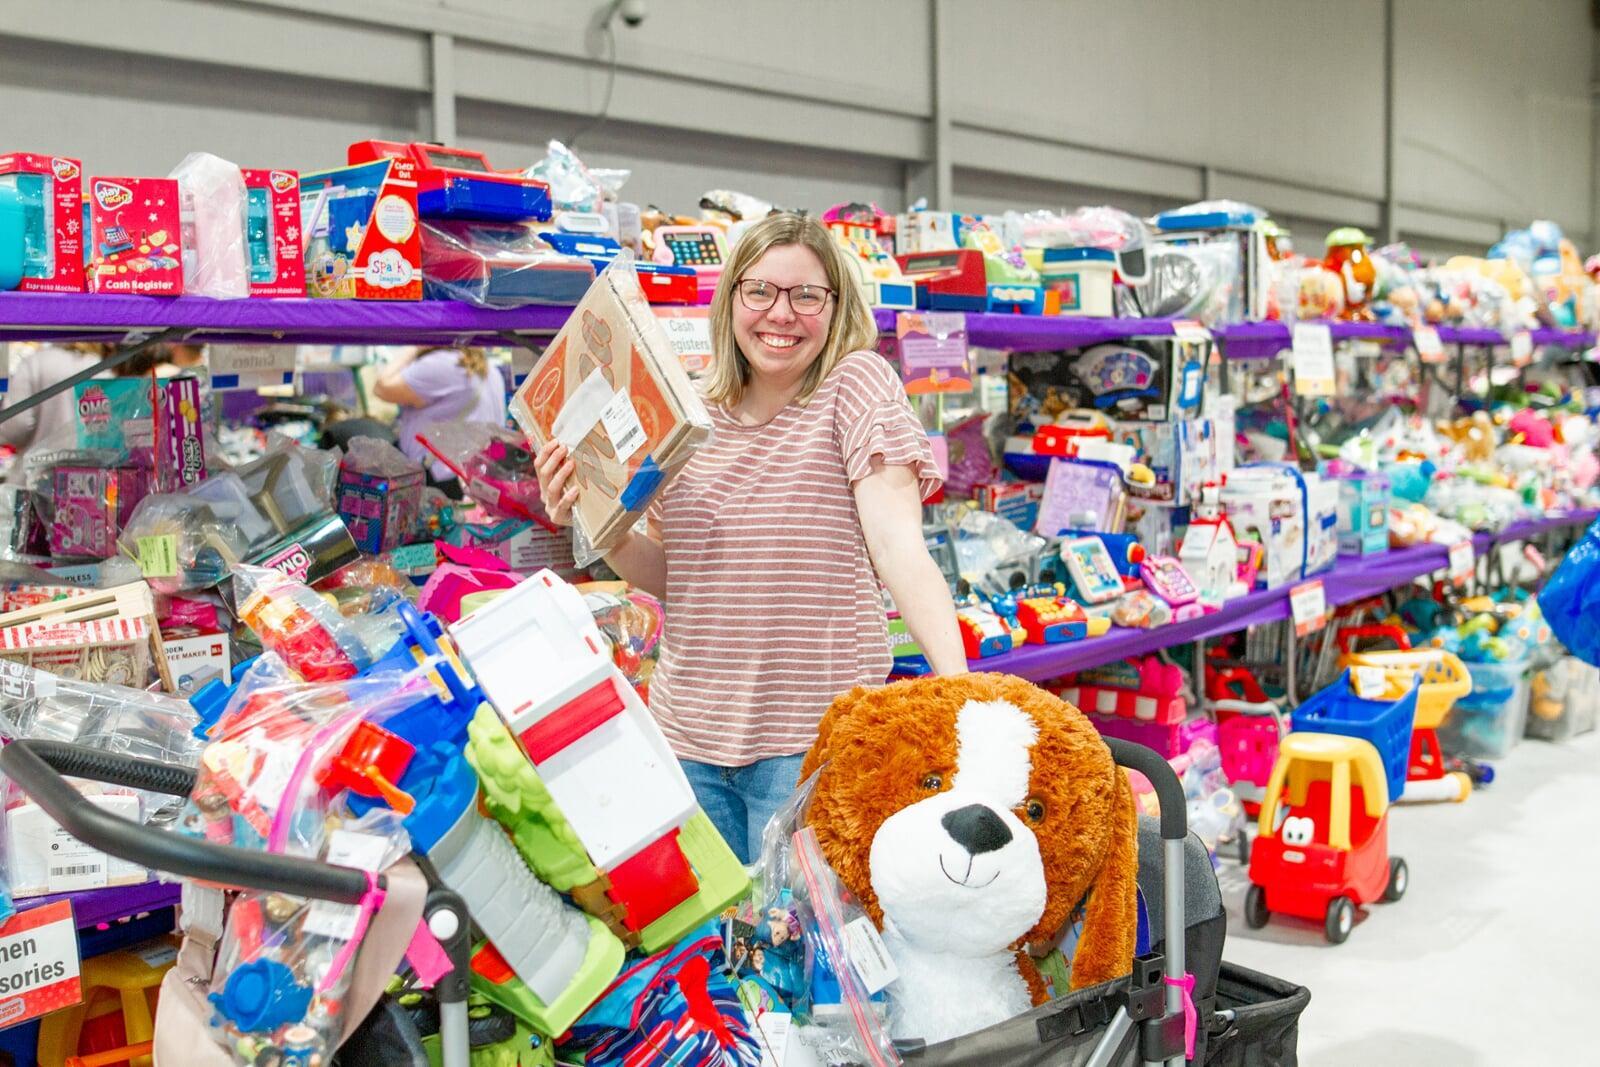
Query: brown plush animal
[[972, 815]]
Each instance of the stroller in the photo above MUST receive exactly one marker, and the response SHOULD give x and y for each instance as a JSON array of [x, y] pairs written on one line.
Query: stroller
[[1243, 1019], [382, 1036]]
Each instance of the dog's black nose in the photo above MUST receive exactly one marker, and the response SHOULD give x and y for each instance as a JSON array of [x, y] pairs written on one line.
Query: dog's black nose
[[977, 829]]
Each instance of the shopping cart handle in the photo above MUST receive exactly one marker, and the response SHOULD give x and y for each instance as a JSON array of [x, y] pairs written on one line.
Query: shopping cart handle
[[1169, 791], [37, 766]]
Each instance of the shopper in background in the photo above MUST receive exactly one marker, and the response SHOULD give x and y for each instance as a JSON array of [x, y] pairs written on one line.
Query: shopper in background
[[434, 385], [768, 546], [39, 369]]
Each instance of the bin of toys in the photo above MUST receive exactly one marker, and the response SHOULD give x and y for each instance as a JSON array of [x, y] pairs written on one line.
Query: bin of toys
[[1563, 700], [1384, 723], [1489, 721]]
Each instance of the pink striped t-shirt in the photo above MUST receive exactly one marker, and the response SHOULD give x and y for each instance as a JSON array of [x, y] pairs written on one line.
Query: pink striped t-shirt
[[772, 605]]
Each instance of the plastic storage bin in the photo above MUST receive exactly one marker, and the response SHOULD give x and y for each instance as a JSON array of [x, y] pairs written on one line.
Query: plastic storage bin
[[1385, 724], [1488, 722], [1563, 700]]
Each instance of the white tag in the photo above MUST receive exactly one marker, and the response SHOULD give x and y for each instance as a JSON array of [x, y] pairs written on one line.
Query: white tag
[[272, 778], [1190, 332], [327, 919], [350, 848], [1429, 348], [1521, 348], [73, 865], [869, 955], [1462, 561], [157, 955], [582, 410], [201, 910], [780, 1042], [1371, 682], [622, 425], [1313, 359], [1307, 604]]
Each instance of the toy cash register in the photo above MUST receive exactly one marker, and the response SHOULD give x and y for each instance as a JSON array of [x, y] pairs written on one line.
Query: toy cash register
[[953, 280], [458, 183], [662, 283], [1168, 580], [702, 248]]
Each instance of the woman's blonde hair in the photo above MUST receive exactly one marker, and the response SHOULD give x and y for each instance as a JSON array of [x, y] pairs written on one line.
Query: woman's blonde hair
[[852, 327], [475, 361]]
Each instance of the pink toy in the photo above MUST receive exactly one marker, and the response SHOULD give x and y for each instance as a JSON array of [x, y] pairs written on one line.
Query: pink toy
[[1168, 580], [92, 506], [1168, 739], [465, 571], [1536, 430], [1145, 689]]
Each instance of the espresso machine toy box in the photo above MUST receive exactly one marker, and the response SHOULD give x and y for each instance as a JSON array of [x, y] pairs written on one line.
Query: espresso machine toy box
[[50, 192]]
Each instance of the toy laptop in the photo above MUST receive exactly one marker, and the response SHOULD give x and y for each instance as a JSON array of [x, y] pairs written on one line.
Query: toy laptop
[[458, 183]]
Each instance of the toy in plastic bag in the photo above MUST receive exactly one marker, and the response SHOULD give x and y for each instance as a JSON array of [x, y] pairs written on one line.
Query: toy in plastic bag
[[611, 389], [493, 465], [632, 621], [190, 540], [497, 265], [212, 206], [314, 639], [1570, 600], [839, 1015], [285, 964], [572, 186]]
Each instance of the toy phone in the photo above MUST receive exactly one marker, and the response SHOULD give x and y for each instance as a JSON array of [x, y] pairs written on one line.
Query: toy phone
[[1094, 574], [1168, 580], [702, 247], [1117, 373]]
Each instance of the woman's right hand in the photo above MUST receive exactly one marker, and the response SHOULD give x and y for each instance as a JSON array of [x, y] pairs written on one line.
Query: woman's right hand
[[555, 467]]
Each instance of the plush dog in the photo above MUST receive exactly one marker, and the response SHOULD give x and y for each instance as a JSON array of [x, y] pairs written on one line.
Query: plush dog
[[971, 816]]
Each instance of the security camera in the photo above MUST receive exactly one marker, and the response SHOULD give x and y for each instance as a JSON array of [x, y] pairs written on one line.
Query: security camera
[[633, 12]]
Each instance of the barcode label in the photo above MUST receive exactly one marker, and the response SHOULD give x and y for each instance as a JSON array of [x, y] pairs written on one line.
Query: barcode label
[[86, 873], [82, 868], [869, 955], [622, 425]]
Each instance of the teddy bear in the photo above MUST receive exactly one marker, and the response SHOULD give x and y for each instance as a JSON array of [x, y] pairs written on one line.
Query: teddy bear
[[972, 816]]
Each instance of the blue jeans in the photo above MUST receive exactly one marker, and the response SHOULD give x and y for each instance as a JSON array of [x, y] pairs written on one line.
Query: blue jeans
[[742, 800]]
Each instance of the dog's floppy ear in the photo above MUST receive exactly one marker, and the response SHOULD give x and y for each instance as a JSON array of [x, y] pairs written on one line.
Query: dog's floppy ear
[[1111, 917], [819, 753]]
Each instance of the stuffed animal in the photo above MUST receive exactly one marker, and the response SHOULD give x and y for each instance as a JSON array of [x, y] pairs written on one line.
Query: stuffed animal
[[971, 816]]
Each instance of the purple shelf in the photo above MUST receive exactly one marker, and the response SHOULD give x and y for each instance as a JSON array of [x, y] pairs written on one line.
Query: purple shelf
[[91, 907], [90, 316], [1351, 579], [1043, 333]]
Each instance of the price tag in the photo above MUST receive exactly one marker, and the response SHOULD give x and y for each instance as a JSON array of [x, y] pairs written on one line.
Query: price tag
[[250, 366], [688, 330], [1429, 348], [1308, 606], [73, 865], [1521, 348], [1313, 359], [158, 556], [1190, 332], [346, 848], [40, 947], [1371, 682], [933, 352], [1462, 562], [869, 955]]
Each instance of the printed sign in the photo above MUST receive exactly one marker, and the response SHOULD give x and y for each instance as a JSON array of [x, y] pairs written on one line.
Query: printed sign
[[38, 963], [1463, 562], [1308, 604], [1429, 348], [933, 352], [688, 329], [1313, 359]]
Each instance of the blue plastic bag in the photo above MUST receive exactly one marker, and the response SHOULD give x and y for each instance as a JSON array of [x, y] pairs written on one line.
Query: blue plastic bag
[[1570, 600]]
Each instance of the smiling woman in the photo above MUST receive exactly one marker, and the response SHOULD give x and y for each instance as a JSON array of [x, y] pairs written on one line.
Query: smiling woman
[[814, 483]]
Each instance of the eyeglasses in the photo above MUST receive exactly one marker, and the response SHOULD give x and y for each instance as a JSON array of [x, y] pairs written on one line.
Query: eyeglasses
[[758, 295]]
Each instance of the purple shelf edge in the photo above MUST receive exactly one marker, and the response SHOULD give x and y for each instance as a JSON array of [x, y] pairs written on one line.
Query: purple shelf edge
[[91, 907], [1352, 578]]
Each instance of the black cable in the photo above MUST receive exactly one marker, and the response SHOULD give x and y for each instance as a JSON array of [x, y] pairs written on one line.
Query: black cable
[[611, 80]]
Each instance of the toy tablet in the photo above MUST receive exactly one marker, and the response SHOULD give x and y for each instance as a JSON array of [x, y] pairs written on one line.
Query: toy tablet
[[1082, 495], [1094, 573], [1168, 580]]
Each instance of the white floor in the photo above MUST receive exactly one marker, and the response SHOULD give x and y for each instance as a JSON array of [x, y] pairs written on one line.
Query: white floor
[[1493, 957]]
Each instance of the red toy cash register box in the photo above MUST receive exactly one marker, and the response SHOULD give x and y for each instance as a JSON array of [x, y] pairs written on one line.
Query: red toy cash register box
[[953, 280]]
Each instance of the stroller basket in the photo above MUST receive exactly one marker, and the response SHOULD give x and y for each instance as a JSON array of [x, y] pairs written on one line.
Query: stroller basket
[[38, 767], [1257, 1021]]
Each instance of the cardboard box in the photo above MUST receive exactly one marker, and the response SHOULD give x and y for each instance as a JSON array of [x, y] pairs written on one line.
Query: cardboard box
[[44, 858], [380, 510], [136, 236], [272, 233], [195, 656], [361, 233], [103, 635], [179, 443], [612, 389], [51, 188], [92, 506]]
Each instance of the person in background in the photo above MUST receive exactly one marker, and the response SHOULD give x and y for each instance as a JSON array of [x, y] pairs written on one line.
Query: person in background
[[769, 545], [39, 369], [434, 385], [183, 356]]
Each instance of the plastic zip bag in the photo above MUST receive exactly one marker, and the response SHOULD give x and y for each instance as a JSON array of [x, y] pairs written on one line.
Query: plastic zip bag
[[840, 1017], [1570, 600]]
